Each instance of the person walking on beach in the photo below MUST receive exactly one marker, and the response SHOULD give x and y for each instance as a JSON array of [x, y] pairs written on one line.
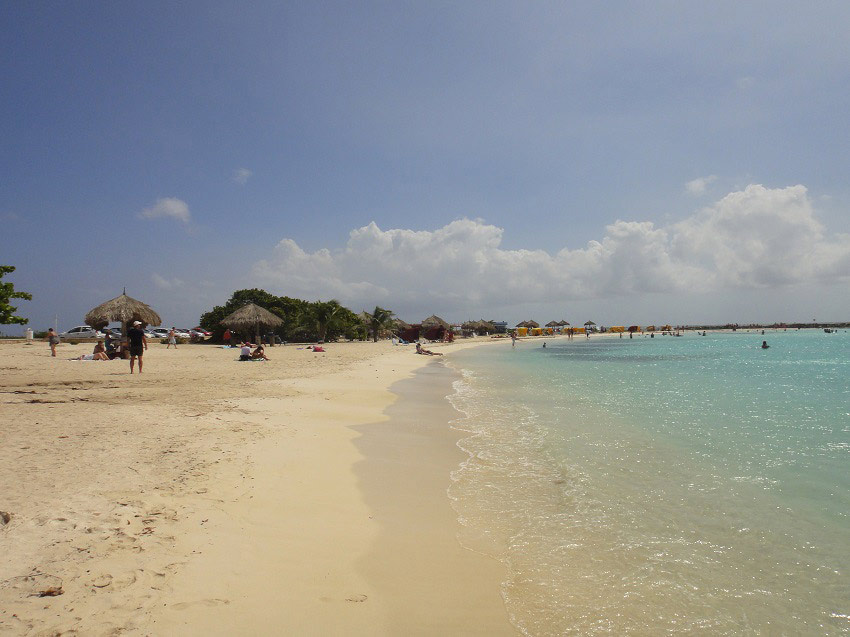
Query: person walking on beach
[[53, 341], [227, 336], [172, 338], [138, 344]]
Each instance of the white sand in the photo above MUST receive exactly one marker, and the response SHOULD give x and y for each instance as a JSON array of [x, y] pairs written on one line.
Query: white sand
[[211, 496]]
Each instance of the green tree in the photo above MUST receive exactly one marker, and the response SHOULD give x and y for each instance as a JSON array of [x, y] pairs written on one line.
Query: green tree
[[7, 292], [322, 317], [379, 319]]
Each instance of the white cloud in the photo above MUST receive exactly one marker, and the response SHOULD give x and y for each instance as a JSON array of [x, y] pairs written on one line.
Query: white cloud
[[166, 284], [698, 186], [241, 175], [756, 238], [168, 207]]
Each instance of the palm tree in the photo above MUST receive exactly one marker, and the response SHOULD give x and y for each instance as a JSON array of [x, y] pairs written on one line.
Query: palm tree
[[379, 319], [322, 316]]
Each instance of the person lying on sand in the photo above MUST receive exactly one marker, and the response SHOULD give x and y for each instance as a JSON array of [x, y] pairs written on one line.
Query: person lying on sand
[[259, 353], [426, 352]]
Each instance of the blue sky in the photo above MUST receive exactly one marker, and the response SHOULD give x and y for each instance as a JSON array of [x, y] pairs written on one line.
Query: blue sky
[[625, 162]]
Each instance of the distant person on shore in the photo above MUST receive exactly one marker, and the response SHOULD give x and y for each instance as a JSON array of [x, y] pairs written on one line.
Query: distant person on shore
[[172, 338], [52, 340], [227, 336], [764, 345], [513, 339], [138, 344], [426, 352]]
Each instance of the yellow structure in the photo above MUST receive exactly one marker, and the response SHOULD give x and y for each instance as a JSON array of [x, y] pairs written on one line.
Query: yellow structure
[[650, 328], [617, 329], [536, 331], [522, 331]]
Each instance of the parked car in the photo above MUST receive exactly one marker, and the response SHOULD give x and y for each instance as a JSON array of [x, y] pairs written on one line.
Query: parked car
[[81, 331], [158, 332], [201, 330], [181, 333], [201, 334], [114, 332]]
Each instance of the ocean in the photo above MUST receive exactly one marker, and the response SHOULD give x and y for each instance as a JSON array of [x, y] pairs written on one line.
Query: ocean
[[663, 485]]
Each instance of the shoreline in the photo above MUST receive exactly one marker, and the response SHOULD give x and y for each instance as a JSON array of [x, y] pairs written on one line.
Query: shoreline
[[417, 562]]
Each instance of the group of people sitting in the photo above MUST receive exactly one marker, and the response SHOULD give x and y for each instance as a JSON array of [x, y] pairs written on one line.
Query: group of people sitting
[[106, 350], [259, 353]]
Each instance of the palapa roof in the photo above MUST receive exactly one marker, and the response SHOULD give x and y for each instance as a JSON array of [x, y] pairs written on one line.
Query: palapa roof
[[122, 309], [590, 323], [553, 324], [528, 324], [563, 323], [433, 321], [251, 315], [400, 325]]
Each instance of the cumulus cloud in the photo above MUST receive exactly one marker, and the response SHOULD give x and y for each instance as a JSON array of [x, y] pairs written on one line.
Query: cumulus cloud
[[755, 238], [168, 207], [241, 175], [698, 186], [166, 284]]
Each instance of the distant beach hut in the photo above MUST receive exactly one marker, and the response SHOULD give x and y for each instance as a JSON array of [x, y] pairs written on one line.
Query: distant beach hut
[[589, 323], [123, 309], [434, 328], [563, 323], [251, 318], [553, 324]]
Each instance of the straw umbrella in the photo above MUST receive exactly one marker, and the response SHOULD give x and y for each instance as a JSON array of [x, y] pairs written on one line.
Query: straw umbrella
[[251, 316], [122, 308], [435, 321]]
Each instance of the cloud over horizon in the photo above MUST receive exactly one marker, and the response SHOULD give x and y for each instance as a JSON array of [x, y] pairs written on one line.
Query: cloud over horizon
[[757, 238]]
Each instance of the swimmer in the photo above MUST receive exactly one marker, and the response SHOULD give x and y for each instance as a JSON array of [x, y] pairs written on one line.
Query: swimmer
[[764, 345]]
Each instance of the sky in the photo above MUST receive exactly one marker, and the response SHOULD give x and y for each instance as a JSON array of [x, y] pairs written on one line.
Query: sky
[[621, 162]]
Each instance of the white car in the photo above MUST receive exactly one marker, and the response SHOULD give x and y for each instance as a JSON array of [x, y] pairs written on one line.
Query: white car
[[81, 331], [158, 332]]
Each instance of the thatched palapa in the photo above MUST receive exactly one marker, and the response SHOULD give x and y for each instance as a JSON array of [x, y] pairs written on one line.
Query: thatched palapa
[[124, 309], [251, 317], [435, 321]]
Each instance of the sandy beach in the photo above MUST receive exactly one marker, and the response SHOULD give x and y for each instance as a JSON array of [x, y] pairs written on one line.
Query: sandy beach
[[302, 495]]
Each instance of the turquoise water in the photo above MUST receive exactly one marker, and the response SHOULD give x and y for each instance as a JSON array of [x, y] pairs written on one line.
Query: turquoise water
[[662, 486]]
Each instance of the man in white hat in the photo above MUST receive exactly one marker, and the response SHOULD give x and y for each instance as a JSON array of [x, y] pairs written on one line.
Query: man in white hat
[[138, 344]]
